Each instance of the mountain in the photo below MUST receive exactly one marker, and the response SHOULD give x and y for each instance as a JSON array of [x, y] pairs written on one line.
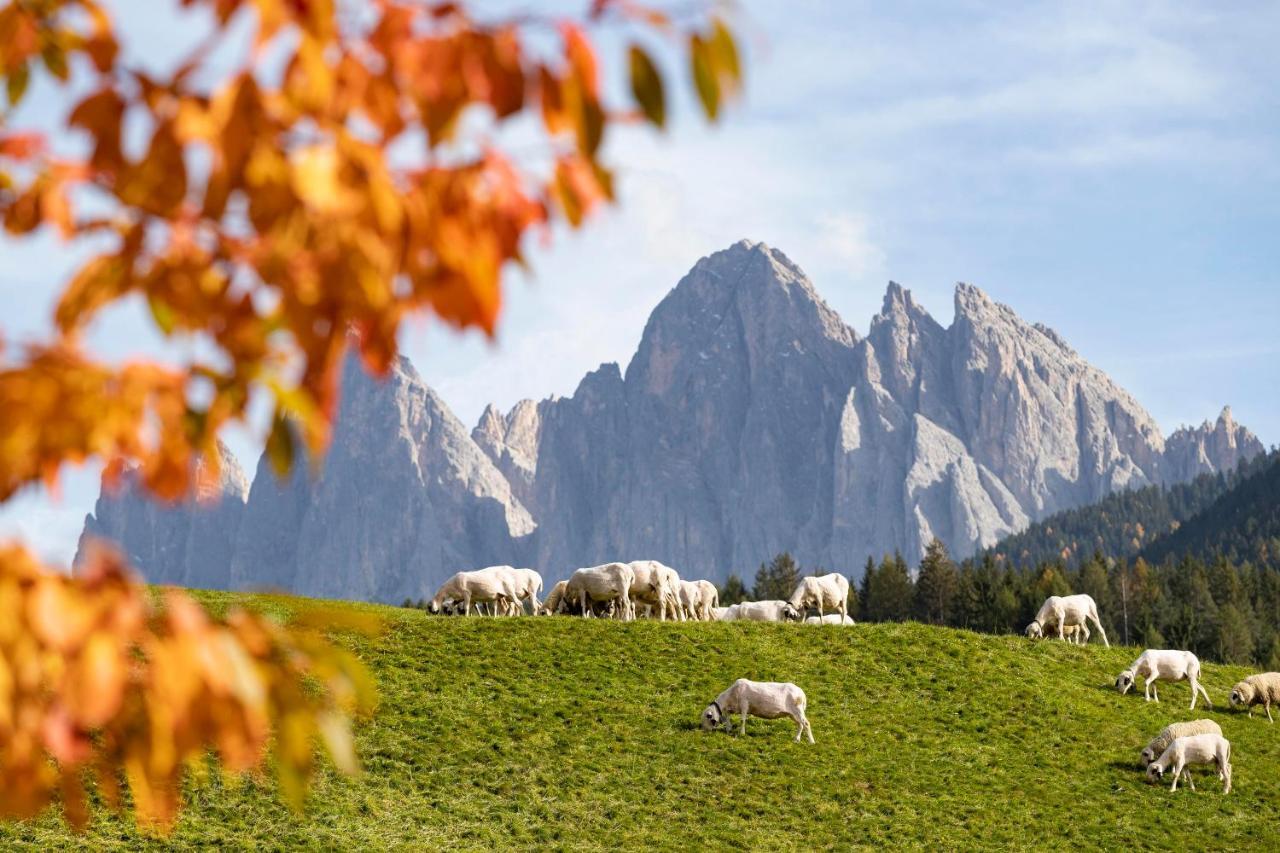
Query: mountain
[[750, 420], [188, 543], [1131, 521]]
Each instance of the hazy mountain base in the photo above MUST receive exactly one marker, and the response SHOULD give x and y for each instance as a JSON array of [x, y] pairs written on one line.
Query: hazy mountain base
[[567, 733]]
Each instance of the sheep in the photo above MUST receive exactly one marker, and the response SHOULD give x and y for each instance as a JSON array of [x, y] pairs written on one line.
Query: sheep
[[657, 586], [829, 592], [699, 598], [1194, 749], [1261, 689], [724, 614], [494, 584], [528, 583], [608, 582], [551, 604], [766, 611], [1172, 732], [830, 619], [1064, 610], [1164, 665], [768, 700]]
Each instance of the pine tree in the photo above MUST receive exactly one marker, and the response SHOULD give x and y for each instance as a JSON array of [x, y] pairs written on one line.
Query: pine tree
[[733, 591], [890, 594], [776, 579], [936, 585]]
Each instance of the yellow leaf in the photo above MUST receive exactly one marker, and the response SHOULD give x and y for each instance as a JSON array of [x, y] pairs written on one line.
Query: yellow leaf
[[314, 173], [704, 75]]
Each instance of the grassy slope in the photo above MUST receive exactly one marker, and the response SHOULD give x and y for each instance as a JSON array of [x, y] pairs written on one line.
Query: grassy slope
[[564, 732]]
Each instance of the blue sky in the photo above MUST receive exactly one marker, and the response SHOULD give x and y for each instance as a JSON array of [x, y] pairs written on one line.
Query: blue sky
[[1111, 170]]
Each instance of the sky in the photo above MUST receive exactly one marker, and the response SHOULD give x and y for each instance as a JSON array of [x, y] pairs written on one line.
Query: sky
[[1111, 170]]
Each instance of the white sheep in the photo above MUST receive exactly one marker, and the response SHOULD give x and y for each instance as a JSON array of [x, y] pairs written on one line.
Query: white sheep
[[1194, 749], [1260, 689], [829, 619], [528, 585], [1172, 732], [698, 598], [1164, 665], [551, 604], [766, 611], [610, 582], [494, 584], [829, 592], [657, 586], [724, 614], [768, 700], [1059, 611]]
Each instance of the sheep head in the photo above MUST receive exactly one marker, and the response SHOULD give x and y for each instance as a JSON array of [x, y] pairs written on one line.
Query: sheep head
[[790, 613], [1124, 681], [711, 717], [1155, 772], [1035, 631], [1241, 694]]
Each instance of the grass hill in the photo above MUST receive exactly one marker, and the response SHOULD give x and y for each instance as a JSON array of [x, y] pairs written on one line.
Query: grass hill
[[1128, 521], [565, 733]]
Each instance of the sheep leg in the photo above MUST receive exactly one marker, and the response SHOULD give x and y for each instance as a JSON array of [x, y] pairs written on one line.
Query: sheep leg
[[1094, 616], [743, 730], [1062, 624], [1267, 705], [1177, 771], [1191, 781], [1196, 686]]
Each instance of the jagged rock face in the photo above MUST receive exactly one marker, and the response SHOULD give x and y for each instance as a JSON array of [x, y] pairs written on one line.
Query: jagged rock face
[[187, 543], [1220, 446], [404, 496], [750, 420]]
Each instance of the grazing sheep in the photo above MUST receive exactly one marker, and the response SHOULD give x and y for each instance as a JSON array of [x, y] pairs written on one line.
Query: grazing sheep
[[829, 619], [829, 592], [768, 700], [551, 604], [698, 598], [609, 582], [657, 586], [1059, 611], [528, 584], [1194, 749], [724, 614], [766, 611], [1261, 689], [1172, 732], [494, 584], [1164, 665]]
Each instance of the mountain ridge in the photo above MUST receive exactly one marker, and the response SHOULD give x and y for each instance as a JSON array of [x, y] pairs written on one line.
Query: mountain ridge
[[751, 419]]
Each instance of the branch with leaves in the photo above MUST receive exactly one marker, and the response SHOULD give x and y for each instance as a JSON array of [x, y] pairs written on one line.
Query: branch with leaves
[[274, 218]]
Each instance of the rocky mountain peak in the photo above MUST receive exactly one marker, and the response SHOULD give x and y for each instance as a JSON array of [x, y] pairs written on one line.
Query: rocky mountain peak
[[750, 420]]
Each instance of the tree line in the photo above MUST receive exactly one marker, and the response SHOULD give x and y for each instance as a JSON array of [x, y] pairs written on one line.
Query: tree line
[[1221, 609]]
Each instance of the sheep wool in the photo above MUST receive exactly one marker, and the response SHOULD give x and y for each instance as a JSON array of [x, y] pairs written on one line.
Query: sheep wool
[[1261, 689]]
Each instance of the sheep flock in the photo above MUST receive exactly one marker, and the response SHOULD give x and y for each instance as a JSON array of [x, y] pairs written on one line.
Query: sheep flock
[[647, 588]]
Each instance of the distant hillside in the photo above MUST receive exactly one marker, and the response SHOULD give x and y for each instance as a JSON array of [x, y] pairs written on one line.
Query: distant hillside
[[1128, 522], [569, 734], [1243, 523]]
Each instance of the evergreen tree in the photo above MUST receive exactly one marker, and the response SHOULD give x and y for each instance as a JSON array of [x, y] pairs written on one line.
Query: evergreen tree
[[1235, 637], [890, 595], [936, 585], [733, 591], [777, 578]]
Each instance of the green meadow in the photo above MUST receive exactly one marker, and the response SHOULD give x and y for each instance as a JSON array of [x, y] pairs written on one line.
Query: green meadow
[[583, 734]]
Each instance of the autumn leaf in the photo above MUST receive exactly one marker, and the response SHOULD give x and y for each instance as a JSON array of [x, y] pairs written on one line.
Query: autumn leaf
[[646, 87]]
